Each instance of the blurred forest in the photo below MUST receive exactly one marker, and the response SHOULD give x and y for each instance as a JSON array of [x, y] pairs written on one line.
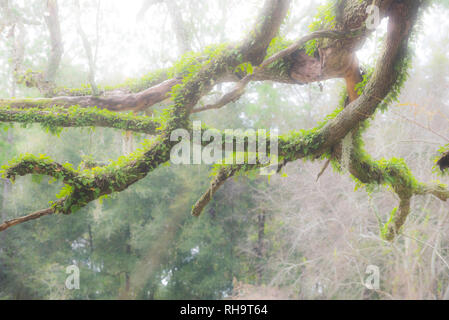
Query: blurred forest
[[289, 236]]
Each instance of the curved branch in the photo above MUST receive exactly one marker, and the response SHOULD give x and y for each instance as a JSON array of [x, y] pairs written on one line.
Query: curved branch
[[29, 164]]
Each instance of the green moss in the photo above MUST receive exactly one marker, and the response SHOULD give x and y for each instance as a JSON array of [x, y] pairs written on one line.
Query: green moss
[[281, 66], [385, 228], [55, 118]]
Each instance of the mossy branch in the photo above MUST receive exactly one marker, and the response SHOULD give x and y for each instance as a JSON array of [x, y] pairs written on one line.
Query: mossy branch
[[42, 165], [218, 181], [76, 117]]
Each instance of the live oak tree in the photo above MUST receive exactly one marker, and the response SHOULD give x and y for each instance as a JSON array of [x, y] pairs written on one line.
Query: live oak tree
[[327, 52]]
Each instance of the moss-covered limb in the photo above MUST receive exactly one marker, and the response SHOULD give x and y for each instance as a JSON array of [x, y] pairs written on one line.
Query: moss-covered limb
[[122, 102], [41, 165], [252, 50], [255, 45], [395, 174], [397, 219], [116, 176], [436, 189], [130, 85], [58, 117], [392, 173], [387, 71], [219, 179], [84, 186], [239, 89]]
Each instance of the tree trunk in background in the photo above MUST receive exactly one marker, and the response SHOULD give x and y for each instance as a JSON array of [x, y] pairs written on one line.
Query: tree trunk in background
[[128, 253], [54, 27], [260, 245], [181, 32], [91, 239]]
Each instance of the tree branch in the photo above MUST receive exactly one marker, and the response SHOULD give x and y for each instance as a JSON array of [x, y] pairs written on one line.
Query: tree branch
[[75, 117], [36, 215], [239, 89]]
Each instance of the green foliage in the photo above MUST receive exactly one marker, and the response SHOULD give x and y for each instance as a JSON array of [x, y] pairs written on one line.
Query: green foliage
[[384, 229], [441, 151], [66, 191], [359, 87], [54, 119], [402, 69], [278, 44], [325, 19], [246, 68]]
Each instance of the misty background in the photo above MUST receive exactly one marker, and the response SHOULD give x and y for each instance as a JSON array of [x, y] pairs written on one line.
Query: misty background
[[286, 237]]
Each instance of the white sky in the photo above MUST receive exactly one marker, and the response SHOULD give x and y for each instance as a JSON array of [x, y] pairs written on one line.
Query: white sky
[[130, 48]]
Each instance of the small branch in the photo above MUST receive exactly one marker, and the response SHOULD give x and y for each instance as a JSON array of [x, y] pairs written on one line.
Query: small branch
[[436, 190], [399, 219], [221, 177], [36, 215], [323, 169], [422, 126]]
